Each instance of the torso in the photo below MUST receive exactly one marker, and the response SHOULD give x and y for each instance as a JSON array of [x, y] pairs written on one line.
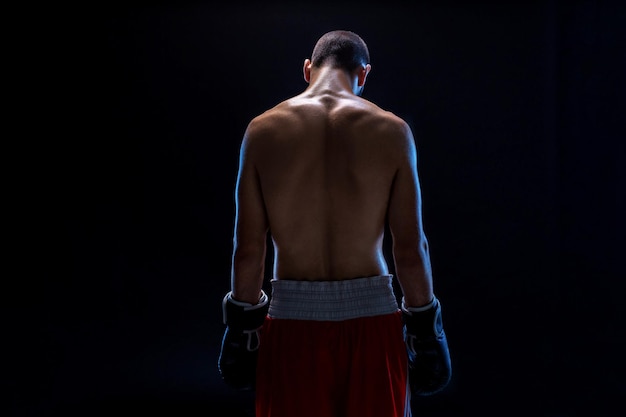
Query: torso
[[326, 168]]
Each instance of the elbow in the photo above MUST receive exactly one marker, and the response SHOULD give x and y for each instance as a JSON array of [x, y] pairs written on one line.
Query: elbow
[[248, 255], [411, 253]]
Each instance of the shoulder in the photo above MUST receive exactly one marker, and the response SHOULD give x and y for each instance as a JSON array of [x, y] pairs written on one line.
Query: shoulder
[[266, 129], [397, 126], [385, 119], [269, 122], [264, 121], [394, 129]]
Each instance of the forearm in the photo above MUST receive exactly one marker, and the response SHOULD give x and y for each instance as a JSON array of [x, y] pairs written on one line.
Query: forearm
[[247, 274], [414, 274]]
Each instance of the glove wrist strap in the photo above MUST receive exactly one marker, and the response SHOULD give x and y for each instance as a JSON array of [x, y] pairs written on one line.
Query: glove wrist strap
[[244, 316], [248, 306], [409, 310]]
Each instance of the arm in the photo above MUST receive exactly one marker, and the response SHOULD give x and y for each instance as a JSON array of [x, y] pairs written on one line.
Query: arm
[[245, 306], [430, 367], [410, 246], [251, 226]]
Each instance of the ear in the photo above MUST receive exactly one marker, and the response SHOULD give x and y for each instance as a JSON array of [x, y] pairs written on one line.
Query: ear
[[306, 70], [363, 71]]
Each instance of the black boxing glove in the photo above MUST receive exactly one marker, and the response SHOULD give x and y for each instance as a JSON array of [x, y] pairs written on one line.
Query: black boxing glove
[[240, 344], [430, 368]]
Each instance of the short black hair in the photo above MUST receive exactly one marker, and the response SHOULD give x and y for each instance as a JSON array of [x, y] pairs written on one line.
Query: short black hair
[[340, 48]]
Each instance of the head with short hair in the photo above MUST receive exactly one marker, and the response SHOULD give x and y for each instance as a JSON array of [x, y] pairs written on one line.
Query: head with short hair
[[340, 49]]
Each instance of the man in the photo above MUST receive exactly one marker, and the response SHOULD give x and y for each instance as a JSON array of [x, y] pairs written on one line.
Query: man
[[322, 173]]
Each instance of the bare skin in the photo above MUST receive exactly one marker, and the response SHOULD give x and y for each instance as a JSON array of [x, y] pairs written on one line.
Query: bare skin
[[322, 172]]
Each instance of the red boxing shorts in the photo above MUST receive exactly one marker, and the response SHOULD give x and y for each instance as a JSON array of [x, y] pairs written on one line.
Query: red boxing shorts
[[333, 349]]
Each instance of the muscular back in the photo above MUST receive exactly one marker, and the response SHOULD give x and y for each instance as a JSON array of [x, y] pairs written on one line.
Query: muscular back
[[321, 169]]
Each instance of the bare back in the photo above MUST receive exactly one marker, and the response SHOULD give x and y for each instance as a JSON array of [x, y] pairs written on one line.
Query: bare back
[[325, 167]]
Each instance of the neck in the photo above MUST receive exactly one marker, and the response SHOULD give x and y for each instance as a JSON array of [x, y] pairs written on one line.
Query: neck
[[332, 80]]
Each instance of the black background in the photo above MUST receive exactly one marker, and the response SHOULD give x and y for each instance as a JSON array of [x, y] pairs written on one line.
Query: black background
[[518, 113]]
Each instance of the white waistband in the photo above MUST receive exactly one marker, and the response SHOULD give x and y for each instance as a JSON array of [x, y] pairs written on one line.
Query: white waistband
[[332, 300]]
